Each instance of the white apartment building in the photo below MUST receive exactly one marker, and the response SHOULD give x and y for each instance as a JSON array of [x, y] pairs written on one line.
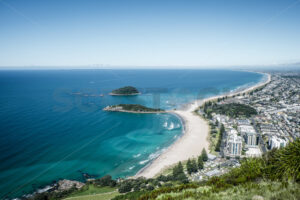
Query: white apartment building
[[234, 145], [276, 142], [249, 134], [252, 139]]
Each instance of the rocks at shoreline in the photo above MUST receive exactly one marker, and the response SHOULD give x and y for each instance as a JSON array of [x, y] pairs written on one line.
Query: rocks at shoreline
[[60, 186], [68, 184]]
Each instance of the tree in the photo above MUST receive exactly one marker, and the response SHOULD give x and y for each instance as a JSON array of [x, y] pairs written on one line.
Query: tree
[[217, 123], [218, 145], [200, 163], [125, 187], [194, 166], [209, 116], [177, 170], [204, 155], [103, 181], [189, 167], [178, 173], [222, 129], [163, 178], [106, 181]]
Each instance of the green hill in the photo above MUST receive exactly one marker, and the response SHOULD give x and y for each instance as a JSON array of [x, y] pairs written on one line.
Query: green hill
[[128, 90]]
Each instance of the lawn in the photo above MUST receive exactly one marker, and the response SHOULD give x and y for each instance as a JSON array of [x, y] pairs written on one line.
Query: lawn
[[91, 192], [101, 196]]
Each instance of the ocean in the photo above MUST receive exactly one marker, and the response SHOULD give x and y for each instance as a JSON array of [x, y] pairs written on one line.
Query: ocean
[[52, 125]]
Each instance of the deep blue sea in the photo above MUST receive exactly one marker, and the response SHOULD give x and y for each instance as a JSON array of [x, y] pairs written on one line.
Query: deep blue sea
[[52, 125]]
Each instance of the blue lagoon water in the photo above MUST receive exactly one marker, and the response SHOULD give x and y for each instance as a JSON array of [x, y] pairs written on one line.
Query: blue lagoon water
[[52, 125]]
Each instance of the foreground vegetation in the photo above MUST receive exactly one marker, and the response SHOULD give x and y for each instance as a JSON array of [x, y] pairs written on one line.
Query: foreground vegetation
[[276, 175]]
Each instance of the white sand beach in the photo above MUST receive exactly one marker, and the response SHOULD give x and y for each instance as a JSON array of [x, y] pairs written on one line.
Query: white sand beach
[[192, 141]]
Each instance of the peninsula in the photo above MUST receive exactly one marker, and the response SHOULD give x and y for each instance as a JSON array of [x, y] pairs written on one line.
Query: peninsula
[[125, 91], [133, 108]]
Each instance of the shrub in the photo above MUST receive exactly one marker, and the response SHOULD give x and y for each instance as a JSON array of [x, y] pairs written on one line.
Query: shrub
[[105, 181], [125, 187]]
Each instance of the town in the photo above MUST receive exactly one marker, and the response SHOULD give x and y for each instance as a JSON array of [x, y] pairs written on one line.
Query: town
[[251, 123]]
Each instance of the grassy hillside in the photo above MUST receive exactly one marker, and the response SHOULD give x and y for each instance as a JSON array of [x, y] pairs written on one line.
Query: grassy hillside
[[274, 176], [257, 191], [93, 192]]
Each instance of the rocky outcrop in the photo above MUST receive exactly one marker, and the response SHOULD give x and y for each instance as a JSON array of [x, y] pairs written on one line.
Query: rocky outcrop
[[68, 184]]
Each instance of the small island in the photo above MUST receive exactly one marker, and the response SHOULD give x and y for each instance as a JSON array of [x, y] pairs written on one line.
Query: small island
[[124, 91], [133, 108]]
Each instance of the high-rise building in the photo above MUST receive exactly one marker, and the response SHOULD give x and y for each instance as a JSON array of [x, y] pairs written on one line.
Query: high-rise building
[[252, 139], [276, 142], [234, 145], [250, 135]]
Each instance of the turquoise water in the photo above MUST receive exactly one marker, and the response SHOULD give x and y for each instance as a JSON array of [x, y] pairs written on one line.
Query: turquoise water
[[49, 131]]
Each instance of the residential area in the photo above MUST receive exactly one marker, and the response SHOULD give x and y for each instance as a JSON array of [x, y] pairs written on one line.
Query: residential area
[[249, 124]]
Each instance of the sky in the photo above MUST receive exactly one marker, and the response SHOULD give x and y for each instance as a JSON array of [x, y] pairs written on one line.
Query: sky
[[198, 33]]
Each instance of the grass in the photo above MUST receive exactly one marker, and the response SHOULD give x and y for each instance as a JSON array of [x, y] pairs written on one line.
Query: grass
[[102, 196], [266, 190], [92, 192]]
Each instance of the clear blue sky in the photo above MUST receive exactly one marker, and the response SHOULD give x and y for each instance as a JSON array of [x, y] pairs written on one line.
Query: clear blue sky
[[149, 32]]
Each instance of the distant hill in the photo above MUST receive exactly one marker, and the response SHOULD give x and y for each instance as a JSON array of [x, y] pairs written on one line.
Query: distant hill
[[128, 90]]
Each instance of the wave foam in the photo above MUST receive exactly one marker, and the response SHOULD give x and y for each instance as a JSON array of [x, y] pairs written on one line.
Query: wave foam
[[137, 155], [130, 168], [143, 162]]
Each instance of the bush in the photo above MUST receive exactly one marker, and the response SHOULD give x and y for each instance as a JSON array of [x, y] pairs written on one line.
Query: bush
[[125, 187], [164, 178], [150, 187], [105, 181]]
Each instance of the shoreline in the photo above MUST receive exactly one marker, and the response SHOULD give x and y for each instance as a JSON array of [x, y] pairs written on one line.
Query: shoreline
[[191, 143]]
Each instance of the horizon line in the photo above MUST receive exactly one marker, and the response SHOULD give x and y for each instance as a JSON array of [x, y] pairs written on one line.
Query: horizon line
[[109, 67]]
